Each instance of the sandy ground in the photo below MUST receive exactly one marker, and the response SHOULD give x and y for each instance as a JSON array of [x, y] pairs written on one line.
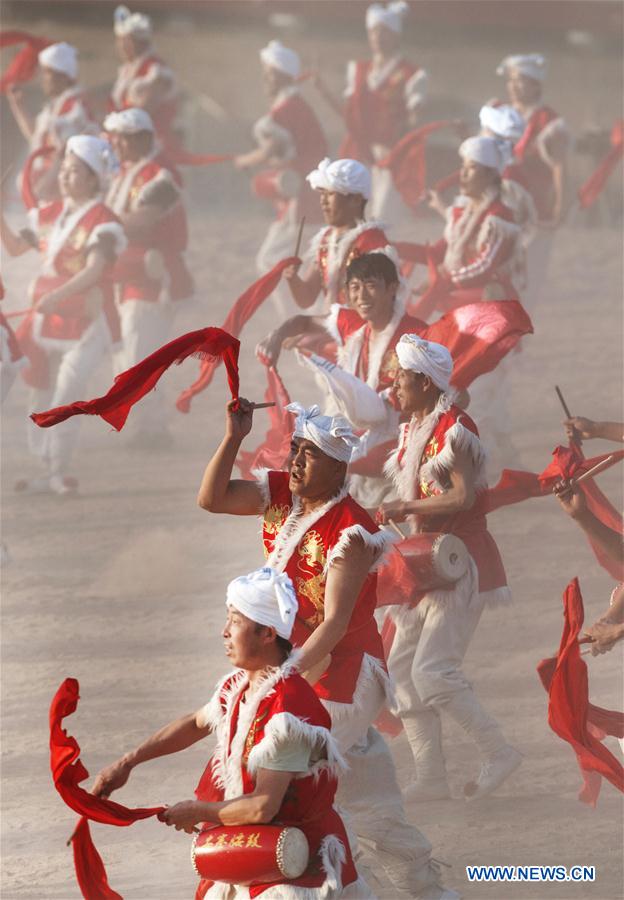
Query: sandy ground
[[122, 587]]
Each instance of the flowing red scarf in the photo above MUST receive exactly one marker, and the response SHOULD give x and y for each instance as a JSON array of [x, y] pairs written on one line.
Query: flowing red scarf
[[240, 313], [407, 162], [23, 65], [589, 192], [68, 772], [570, 714], [211, 344]]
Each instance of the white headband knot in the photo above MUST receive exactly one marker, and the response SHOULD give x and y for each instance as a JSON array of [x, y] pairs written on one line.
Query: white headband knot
[[136, 24], [282, 58], [331, 434], [61, 58], [344, 176], [533, 65], [267, 598], [129, 121], [495, 153], [426, 358], [391, 16]]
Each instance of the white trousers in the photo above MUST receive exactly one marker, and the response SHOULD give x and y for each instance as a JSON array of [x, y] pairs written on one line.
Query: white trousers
[[425, 660], [145, 326], [369, 797], [70, 370]]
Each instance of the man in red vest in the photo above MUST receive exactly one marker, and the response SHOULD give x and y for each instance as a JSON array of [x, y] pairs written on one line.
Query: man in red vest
[[275, 759], [329, 546]]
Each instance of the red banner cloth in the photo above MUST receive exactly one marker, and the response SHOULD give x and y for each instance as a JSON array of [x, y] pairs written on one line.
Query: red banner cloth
[[68, 772], [479, 335], [24, 64], [212, 344], [27, 191], [570, 713], [272, 452], [241, 312], [589, 192], [567, 462], [407, 163]]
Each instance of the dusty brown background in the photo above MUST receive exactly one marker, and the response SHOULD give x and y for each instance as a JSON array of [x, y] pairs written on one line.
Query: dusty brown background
[[123, 586]]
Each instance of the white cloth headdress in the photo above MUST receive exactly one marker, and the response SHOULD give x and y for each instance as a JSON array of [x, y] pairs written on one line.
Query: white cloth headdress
[[496, 153], [345, 176], [60, 57], [331, 434], [129, 121], [282, 58], [533, 65], [503, 121], [266, 597], [391, 16], [96, 153], [136, 24], [426, 358]]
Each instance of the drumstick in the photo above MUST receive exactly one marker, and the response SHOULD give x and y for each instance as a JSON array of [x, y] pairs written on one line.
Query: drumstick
[[392, 524], [599, 467], [575, 434], [261, 405], [299, 236]]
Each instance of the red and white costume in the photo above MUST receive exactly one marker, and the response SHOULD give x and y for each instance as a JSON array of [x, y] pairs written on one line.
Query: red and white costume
[[133, 77], [355, 686], [378, 106], [75, 342], [292, 126], [152, 274], [432, 637], [282, 715], [331, 252], [12, 357]]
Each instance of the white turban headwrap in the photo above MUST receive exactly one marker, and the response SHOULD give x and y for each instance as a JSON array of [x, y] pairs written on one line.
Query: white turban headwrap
[[61, 58], [426, 358], [345, 176], [129, 121], [503, 121], [282, 58], [391, 16], [331, 434], [135, 24], [496, 153], [266, 597], [95, 152], [533, 65]]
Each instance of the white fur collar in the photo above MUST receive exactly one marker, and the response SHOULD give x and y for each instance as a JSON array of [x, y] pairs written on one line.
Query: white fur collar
[[349, 354], [459, 232], [119, 191], [338, 246], [415, 437], [61, 230], [294, 528]]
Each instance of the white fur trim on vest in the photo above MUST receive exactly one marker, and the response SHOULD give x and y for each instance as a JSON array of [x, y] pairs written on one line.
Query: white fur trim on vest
[[349, 352], [416, 89], [380, 542], [115, 229], [459, 232], [405, 476], [558, 129], [267, 131], [262, 480], [372, 672], [457, 439], [292, 531], [338, 249], [285, 728]]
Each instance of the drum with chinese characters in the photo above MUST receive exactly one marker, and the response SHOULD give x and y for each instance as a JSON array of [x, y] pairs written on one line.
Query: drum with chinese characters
[[250, 854], [435, 560], [277, 185]]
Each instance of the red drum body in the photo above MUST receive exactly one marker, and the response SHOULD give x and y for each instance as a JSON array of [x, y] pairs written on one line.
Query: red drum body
[[435, 560], [250, 854], [277, 185]]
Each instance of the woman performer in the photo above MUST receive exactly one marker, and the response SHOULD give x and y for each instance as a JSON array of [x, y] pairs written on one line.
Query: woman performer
[[73, 318]]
